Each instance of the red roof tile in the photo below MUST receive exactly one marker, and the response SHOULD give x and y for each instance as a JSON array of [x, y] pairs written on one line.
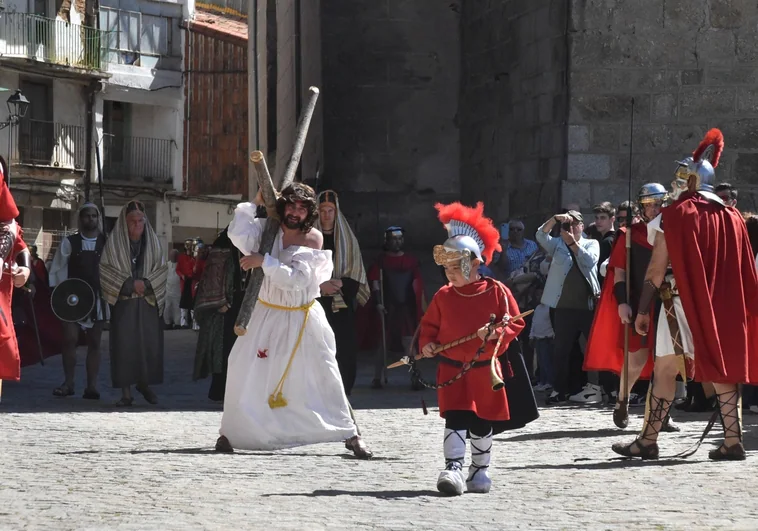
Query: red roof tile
[[219, 26]]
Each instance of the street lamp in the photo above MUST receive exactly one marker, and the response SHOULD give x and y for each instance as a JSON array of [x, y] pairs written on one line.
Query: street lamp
[[17, 107]]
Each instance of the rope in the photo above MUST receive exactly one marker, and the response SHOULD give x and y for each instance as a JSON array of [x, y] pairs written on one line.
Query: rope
[[276, 399]]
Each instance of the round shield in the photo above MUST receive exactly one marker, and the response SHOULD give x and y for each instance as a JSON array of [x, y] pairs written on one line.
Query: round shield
[[72, 300]]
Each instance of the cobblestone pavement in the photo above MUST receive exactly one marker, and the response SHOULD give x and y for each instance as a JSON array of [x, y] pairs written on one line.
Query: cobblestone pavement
[[73, 464]]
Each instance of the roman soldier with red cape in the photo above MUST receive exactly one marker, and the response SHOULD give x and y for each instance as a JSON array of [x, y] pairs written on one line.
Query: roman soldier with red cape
[[605, 347], [707, 245]]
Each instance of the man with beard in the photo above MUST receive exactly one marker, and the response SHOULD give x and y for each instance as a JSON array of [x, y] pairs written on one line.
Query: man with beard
[[347, 286], [133, 275], [79, 257], [283, 384]]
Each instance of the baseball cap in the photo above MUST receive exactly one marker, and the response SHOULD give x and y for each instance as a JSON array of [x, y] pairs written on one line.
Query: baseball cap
[[576, 215]]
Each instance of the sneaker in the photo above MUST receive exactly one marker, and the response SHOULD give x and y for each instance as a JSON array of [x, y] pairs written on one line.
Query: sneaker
[[636, 400], [754, 409], [591, 394], [541, 387], [556, 398], [451, 480]]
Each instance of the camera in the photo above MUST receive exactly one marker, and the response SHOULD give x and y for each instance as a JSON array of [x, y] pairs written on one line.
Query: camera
[[566, 226]]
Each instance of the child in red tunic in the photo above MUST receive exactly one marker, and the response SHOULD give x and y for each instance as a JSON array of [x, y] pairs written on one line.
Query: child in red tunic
[[469, 405]]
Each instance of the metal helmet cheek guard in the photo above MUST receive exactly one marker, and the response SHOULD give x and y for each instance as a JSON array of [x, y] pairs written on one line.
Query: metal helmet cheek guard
[[471, 236], [698, 172]]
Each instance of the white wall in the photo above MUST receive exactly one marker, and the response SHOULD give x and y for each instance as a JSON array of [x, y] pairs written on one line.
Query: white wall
[[200, 214]]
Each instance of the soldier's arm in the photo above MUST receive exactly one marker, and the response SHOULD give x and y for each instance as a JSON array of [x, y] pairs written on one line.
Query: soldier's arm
[[656, 271]]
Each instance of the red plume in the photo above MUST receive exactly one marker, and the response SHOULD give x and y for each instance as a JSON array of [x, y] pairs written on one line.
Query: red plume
[[474, 217], [715, 138]]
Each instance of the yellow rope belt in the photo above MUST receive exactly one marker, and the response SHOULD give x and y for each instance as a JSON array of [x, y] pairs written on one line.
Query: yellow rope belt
[[276, 399]]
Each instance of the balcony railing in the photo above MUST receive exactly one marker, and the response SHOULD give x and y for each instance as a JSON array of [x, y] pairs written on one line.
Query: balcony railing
[[134, 158], [51, 144], [50, 41]]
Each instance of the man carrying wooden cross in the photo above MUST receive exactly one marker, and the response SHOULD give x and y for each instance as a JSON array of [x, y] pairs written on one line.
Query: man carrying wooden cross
[[283, 386]]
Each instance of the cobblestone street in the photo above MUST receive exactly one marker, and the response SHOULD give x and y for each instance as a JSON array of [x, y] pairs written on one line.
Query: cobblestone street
[[74, 464]]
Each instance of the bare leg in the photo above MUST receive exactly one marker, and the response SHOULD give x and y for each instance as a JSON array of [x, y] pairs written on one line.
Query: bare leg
[[68, 352], [662, 395], [637, 361], [730, 408], [93, 355]]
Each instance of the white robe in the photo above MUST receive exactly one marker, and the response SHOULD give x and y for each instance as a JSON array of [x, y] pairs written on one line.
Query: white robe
[[317, 409]]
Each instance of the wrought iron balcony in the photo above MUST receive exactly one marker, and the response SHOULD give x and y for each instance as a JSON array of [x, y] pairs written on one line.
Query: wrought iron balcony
[[51, 144], [46, 40], [134, 158]]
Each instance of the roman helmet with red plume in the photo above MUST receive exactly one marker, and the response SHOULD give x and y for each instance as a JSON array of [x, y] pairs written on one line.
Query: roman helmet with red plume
[[697, 173], [471, 236]]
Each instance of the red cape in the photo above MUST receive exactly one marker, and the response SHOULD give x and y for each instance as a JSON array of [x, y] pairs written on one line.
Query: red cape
[[10, 363], [605, 346], [714, 267]]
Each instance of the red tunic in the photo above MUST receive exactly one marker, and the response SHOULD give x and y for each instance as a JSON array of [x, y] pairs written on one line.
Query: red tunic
[[455, 313], [185, 267], [368, 321], [605, 346], [714, 268], [10, 362]]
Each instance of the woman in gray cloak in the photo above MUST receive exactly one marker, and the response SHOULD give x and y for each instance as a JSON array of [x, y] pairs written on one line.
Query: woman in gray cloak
[[133, 278]]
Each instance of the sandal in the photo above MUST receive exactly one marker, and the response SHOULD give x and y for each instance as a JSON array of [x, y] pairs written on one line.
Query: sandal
[[63, 390], [91, 393], [643, 452], [124, 402], [621, 414], [659, 409], [148, 393], [731, 421]]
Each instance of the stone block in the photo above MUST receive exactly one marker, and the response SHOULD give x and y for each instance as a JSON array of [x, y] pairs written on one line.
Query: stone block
[[576, 192], [747, 44], [578, 138], [609, 108], [583, 167], [738, 75], [716, 47], [747, 101], [615, 192], [692, 77], [366, 69], [605, 137], [731, 14], [740, 134], [419, 9], [745, 168], [414, 69], [683, 17], [590, 81], [664, 107], [699, 103], [638, 80]]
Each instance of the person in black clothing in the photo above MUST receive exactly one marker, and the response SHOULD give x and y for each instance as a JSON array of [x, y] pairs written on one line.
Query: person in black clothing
[[348, 286]]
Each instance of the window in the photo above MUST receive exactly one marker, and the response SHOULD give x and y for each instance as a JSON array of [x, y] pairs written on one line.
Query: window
[[141, 40]]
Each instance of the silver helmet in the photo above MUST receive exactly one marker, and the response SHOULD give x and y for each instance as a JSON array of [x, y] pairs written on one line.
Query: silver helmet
[[650, 193], [698, 171], [464, 244]]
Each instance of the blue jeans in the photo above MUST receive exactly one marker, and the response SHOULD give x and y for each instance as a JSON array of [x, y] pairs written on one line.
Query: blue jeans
[[544, 348]]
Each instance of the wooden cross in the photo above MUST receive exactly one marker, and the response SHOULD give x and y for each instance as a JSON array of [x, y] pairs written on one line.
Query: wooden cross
[[266, 185]]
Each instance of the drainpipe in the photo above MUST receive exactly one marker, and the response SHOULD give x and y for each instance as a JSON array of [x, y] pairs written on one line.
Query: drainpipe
[[90, 90]]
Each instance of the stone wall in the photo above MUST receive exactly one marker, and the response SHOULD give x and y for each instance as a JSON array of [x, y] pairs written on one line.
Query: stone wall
[[513, 106], [689, 65], [391, 72]]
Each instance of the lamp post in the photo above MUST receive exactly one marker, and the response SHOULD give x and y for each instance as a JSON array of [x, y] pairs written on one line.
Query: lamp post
[[17, 107]]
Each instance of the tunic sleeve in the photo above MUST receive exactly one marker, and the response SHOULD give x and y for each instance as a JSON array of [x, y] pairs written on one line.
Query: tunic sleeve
[[245, 230], [59, 268], [309, 268], [430, 324]]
